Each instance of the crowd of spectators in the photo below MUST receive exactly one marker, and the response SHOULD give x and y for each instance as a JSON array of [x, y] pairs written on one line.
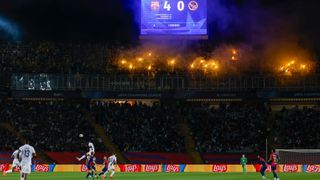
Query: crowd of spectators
[[8, 140], [237, 127], [82, 59], [137, 127], [299, 128], [47, 57], [68, 58], [94, 58], [50, 125]]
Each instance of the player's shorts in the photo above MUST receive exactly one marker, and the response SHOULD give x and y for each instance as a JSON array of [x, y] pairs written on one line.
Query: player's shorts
[[105, 169], [15, 163], [111, 167], [89, 167], [263, 168], [274, 167], [26, 168], [93, 168]]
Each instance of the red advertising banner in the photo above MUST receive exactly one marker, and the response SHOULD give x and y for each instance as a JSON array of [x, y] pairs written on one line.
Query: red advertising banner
[[290, 168], [219, 168], [4, 167], [172, 168], [83, 168], [258, 167], [42, 168], [152, 168], [130, 167], [313, 169]]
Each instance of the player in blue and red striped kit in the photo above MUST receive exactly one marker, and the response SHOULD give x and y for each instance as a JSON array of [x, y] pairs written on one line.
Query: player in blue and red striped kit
[[264, 167], [90, 160], [274, 159], [105, 167]]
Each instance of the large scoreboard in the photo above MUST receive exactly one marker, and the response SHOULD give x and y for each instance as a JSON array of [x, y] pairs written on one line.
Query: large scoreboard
[[174, 17]]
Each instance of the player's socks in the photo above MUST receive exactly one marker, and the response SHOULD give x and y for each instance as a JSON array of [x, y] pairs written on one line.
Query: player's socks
[[275, 175], [263, 177], [88, 175], [112, 173], [22, 177]]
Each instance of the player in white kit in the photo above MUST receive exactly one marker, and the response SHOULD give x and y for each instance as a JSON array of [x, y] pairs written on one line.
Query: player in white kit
[[26, 153], [112, 160], [15, 163]]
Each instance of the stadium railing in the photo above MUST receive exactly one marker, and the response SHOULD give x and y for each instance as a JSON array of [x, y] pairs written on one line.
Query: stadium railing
[[139, 82]]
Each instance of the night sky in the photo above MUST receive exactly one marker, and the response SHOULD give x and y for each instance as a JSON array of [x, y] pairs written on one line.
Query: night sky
[[116, 20]]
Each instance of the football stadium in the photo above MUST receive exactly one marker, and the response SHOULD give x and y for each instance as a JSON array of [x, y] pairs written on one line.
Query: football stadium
[[159, 89]]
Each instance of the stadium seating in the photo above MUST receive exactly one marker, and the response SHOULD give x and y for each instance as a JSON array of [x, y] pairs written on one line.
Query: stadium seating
[[299, 128], [50, 126], [228, 129], [138, 130]]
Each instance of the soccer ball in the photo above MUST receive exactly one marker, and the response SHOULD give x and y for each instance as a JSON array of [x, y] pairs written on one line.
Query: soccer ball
[[80, 135]]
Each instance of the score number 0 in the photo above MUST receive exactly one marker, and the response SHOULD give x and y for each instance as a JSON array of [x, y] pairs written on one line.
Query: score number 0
[[180, 5]]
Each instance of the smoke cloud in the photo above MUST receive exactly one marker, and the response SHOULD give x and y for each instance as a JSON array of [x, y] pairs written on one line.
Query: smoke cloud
[[9, 30]]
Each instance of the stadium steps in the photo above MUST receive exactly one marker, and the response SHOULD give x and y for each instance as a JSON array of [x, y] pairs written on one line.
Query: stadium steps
[[190, 143], [40, 155], [275, 139], [12, 130], [111, 147]]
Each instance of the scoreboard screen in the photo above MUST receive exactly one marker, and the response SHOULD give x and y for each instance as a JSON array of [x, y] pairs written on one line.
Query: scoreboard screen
[[173, 17]]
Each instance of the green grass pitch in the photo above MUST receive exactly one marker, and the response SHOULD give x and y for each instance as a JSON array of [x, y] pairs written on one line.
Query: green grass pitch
[[167, 176]]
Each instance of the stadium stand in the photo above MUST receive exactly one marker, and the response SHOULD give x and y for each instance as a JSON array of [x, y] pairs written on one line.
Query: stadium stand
[[140, 128], [50, 92], [50, 126], [228, 129], [54, 126], [299, 128]]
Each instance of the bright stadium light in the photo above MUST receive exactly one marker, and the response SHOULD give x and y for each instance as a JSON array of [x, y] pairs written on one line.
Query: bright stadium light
[[123, 62], [234, 52], [172, 62]]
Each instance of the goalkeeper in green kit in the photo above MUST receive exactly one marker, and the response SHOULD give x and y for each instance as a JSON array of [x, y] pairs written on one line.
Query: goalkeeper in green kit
[[243, 162]]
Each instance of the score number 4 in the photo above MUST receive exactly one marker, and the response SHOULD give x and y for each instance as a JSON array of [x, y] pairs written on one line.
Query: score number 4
[[180, 6]]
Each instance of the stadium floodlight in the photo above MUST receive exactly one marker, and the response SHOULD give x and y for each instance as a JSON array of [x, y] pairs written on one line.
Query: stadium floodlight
[[299, 156]]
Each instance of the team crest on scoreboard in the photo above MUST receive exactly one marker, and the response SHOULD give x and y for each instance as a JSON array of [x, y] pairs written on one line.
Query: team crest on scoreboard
[[155, 5], [193, 5]]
